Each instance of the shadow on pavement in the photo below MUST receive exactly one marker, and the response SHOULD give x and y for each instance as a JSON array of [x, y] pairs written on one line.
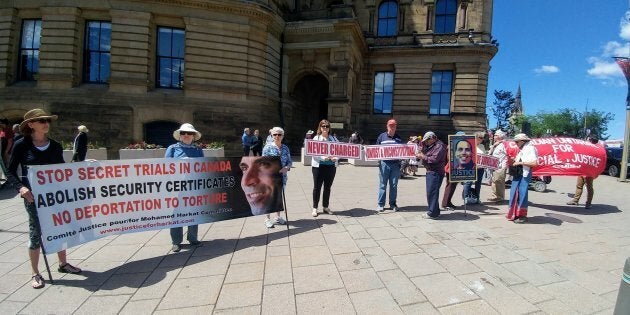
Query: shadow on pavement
[[7, 192], [594, 210], [357, 212], [457, 216], [159, 266], [544, 220]]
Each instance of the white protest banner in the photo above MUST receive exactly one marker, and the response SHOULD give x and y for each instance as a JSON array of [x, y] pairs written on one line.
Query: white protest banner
[[390, 152], [330, 148], [81, 202], [487, 161]]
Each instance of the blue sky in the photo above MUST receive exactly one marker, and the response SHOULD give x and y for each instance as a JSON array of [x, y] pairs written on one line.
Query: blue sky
[[560, 52]]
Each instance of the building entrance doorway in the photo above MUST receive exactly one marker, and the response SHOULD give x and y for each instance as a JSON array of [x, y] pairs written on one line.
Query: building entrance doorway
[[310, 94]]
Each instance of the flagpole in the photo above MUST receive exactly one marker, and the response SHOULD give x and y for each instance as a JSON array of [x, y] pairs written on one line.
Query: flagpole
[[624, 64]]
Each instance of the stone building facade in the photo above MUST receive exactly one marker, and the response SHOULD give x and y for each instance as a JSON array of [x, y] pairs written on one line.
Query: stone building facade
[[134, 70]]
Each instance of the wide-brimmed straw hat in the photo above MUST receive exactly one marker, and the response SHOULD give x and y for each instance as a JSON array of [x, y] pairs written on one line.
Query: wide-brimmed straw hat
[[186, 128], [35, 114], [521, 137]]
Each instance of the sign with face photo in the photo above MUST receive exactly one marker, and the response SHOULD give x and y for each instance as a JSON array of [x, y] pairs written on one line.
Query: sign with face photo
[[463, 158], [80, 202]]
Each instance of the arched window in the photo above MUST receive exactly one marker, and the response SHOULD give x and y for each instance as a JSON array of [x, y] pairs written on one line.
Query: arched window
[[387, 18], [445, 16]]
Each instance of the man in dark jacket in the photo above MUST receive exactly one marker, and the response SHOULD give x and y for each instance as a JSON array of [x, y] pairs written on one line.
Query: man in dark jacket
[[433, 157]]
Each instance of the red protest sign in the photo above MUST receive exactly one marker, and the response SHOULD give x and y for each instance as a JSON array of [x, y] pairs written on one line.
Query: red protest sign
[[390, 152], [331, 148], [487, 161], [565, 156]]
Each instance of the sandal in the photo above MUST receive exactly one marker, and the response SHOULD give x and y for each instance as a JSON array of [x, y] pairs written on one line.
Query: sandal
[[68, 268], [38, 281]]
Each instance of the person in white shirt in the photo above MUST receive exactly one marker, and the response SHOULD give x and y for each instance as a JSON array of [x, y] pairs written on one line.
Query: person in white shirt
[[521, 171], [497, 183]]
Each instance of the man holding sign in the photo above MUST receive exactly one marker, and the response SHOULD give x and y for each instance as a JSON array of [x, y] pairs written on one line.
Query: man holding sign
[[388, 170], [433, 158]]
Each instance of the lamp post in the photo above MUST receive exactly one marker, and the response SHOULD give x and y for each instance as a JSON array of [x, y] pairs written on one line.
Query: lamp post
[[624, 64]]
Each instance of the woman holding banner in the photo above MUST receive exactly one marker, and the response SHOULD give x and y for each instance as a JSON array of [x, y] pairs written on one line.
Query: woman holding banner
[[276, 148], [184, 148], [520, 167], [35, 148], [324, 169]]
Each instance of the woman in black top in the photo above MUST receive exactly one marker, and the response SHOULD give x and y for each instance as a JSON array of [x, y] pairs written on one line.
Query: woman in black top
[[35, 148]]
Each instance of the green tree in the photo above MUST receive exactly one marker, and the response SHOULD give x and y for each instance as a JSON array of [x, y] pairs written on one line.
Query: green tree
[[568, 122], [502, 108]]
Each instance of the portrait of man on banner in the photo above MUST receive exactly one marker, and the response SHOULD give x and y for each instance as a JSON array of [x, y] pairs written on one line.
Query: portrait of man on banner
[[463, 156], [261, 182]]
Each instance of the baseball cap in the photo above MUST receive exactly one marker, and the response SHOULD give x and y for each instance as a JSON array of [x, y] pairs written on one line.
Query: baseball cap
[[428, 135]]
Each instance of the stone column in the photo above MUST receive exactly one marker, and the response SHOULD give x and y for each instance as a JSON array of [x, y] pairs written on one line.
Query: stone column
[[60, 50], [131, 54], [8, 41]]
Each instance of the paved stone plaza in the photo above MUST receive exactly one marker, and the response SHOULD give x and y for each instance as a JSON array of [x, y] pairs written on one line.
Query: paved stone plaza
[[566, 260]]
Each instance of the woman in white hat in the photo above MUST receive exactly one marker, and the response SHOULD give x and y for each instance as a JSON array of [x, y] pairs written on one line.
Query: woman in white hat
[[184, 148], [521, 170], [276, 148], [35, 148]]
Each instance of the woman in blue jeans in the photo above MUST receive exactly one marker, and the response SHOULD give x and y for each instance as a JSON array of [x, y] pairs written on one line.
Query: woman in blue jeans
[[184, 148]]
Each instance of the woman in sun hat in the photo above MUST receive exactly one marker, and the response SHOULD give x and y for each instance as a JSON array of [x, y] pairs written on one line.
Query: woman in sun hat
[[184, 148], [520, 167], [35, 148]]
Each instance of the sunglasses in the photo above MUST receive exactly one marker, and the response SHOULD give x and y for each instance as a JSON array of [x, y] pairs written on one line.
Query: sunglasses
[[325, 126], [43, 120], [278, 135], [186, 133]]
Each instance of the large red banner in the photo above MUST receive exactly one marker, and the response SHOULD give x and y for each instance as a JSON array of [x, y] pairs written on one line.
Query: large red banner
[[565, 156]]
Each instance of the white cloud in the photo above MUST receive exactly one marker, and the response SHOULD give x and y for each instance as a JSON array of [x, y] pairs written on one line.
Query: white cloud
[[547, 69], [624, 26], [614, 49], [604, 70], [604, 67]]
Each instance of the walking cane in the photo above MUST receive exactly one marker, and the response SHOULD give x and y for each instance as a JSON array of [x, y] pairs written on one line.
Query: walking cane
[[45, 259], [284, 204]]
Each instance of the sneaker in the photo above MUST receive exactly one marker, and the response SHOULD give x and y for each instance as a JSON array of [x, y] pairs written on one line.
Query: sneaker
[[38, 281], [587, 206], [327, 210], [281, 221], [68, 268], [572, 203], [196, 243], [394, 208], [379, 208], [450, 205], [176, 248], [269, 223], [427, 216], [448, 208], [314, 212]]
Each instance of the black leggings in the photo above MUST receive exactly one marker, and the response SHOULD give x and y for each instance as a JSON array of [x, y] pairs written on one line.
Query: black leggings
[[324, 174]]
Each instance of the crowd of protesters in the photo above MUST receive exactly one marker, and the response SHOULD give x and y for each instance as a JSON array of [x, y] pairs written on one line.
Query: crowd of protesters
[[28, 144]]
